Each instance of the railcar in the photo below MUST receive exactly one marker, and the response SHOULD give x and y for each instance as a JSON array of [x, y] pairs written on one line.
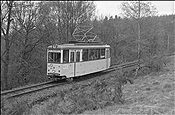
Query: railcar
[[77, 59]]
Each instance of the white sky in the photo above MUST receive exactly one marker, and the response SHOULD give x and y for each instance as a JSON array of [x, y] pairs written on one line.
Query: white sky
[[112, 8]]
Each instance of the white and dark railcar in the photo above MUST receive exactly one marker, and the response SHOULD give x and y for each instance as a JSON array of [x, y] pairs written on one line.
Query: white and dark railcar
[[77, 59]]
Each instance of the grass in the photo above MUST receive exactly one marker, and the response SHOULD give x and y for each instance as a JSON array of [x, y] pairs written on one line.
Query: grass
[[150, 94], [108, 95], [79, 98], [17, 108]]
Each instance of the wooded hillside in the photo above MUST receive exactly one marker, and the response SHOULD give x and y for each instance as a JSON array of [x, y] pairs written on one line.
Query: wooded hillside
[[27, 28]]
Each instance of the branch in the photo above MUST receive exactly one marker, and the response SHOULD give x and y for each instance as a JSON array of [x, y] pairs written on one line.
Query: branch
[[4, 16], [12, 40], [3, 59], [133, 29], [3, 32], [33, 46], [17, 37]]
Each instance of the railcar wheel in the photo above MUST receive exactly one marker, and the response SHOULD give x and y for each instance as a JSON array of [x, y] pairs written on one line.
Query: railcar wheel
[[57, 79], [70, 79]]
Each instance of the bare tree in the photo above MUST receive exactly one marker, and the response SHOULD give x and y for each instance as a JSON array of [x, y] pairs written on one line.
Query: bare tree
[[138, 11], [36, 25], [26, 22], [6, 19], [68, 14]]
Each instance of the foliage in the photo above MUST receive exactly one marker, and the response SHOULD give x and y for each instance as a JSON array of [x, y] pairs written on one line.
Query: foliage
[[122, 34], [94, 95], [36, 25], [15, 108], [151, 94], [131, 9], [6, 19]]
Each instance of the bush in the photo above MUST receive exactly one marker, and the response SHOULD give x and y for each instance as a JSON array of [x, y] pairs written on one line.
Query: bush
[[156, 64], [95, 95], [15, 108]]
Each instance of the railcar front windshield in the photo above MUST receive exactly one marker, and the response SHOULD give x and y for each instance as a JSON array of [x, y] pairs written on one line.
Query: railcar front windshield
[[54, 57]]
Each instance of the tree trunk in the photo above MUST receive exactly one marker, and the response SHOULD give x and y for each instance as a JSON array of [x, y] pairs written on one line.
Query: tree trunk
[[138, 48], [7, 46], [139, 35], [6, 65]]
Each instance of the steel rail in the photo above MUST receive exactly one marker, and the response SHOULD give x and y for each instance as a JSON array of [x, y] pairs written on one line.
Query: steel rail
[[129, 64], [35, 90], [121, 67], [113, 68], [53, 85], [23, 88]]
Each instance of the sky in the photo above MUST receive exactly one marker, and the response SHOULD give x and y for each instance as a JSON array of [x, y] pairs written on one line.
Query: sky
[[112, 8]]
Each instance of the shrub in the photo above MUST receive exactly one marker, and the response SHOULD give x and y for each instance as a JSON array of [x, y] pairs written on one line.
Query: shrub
[[17, 108]]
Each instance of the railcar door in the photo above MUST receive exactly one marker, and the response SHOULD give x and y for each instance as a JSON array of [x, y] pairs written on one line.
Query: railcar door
[[72, 63], [107, 56], [78, 64]]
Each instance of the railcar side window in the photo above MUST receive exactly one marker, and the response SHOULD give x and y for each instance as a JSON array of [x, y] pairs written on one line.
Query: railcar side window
[[98, 53], [72, 57], [92, 55], [108, 56], [85, 55], [107, 53], [102, 56], [54, 57], [78, 56], [65, 56]]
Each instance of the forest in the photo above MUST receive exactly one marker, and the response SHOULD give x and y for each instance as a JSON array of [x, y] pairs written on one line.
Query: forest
[[28, 28]]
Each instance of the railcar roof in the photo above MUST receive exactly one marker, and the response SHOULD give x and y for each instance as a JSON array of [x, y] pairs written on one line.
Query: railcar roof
[[77, 46]]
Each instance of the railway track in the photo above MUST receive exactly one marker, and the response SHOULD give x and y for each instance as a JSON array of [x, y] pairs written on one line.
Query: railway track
[[125, 65], [29, 89], [129, 64], [37, 87]]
